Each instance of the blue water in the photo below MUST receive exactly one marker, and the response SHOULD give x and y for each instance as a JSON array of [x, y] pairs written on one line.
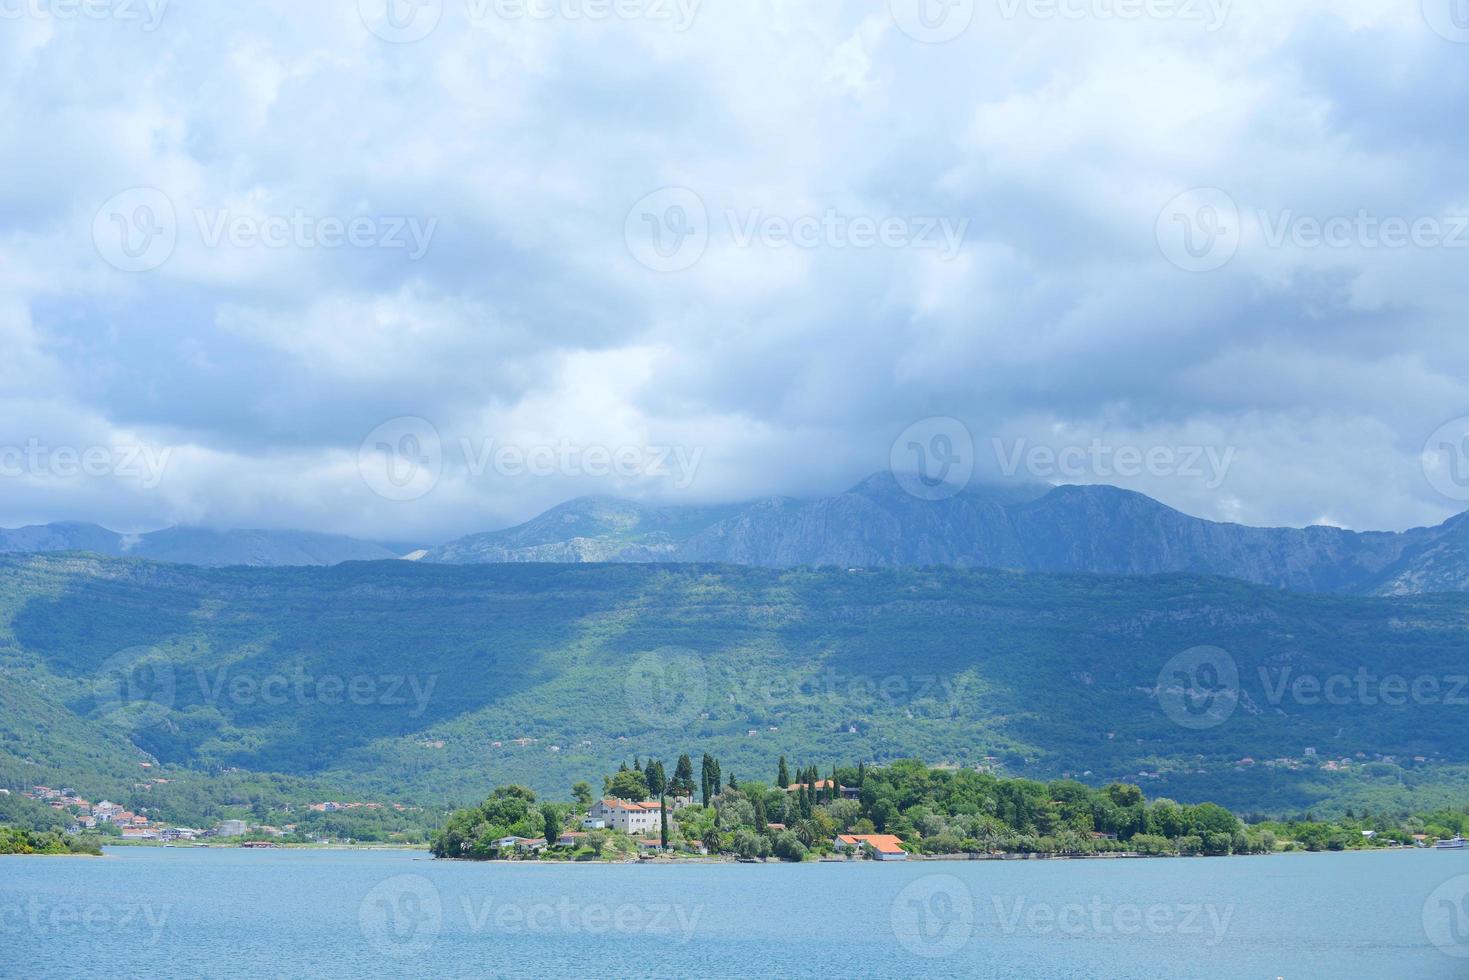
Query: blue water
[[233, 913]]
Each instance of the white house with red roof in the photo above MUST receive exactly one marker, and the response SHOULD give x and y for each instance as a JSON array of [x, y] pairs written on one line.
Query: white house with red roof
[[626, 816], [880, 847]]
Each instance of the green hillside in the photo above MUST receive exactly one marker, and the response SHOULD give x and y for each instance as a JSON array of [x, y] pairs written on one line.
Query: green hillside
[[397, 680]]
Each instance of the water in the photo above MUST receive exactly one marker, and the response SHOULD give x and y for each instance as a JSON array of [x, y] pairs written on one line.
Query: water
[[234, 913]]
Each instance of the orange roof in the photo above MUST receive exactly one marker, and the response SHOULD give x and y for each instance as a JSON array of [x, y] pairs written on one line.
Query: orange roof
[[882, 843]]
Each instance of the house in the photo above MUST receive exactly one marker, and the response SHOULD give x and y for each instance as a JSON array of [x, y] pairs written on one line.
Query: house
[[593, 823], [530, 845], [646, 844], [777, 827], [695, 847], [179, 833], [571, 838], [1100, 835], [137, 833], [630, 818], [880, 847]]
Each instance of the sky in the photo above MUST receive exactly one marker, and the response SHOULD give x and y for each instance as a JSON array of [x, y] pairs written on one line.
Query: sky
[[408, 269]]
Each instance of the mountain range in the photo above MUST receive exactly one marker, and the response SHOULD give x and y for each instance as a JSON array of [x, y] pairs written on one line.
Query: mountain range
[[196, 546], [1092, 529], [405, 681]]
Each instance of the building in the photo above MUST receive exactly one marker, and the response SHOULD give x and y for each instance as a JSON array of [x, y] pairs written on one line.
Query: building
[[593, 823], [823, 785], [532, 845], [571, 838], [630, 818], [230, 828], [879, 847]]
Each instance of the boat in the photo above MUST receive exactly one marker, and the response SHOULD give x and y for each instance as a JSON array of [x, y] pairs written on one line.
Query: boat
[[1452, 844]]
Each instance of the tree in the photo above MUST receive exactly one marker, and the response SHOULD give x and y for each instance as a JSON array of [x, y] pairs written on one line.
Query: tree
[[552, 824], [760, 821], [783, 775], [597, 840], [654, 775], [663, 820], [683, 777], [733, 783], [581, 793], [628, 785]]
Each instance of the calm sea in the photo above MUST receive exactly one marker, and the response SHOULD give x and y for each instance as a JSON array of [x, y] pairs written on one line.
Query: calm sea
[[232, 913]]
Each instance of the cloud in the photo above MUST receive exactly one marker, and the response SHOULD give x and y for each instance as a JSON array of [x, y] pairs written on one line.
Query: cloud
[[360, 230]]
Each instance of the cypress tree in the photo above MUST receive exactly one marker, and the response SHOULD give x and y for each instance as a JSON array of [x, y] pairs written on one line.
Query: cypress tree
[[663, 800], [783, 776]]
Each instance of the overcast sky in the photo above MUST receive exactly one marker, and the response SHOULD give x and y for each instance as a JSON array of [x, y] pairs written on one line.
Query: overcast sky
[[416, 272]]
